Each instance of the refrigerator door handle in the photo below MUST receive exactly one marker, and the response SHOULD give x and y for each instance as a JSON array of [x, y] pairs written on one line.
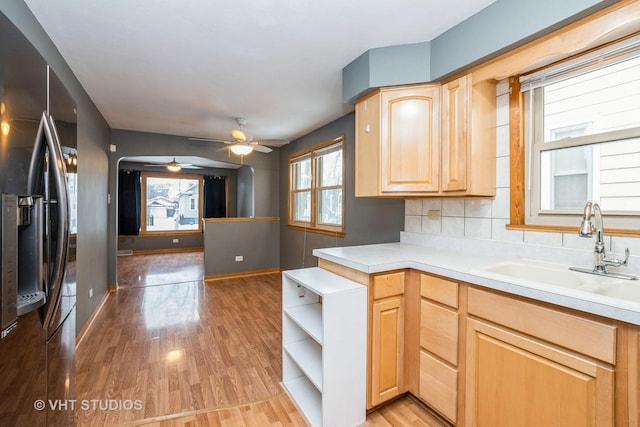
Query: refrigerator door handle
[[58, 171]]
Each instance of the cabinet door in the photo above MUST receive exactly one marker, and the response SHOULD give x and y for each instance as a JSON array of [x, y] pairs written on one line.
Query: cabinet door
[[439, 385], [456, 116], [516, 380], [409, 134], [439, 331], [387, 330], [367, 158]]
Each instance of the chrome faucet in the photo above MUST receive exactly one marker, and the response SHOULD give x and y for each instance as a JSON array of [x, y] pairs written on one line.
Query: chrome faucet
[[601, 261]]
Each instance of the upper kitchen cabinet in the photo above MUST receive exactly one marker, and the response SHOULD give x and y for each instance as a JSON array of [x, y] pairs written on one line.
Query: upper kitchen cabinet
[[468, 138], [397, 141], [427, 140]]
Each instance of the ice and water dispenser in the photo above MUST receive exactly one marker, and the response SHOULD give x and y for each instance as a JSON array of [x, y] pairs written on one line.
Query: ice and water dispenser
[[21, 248]]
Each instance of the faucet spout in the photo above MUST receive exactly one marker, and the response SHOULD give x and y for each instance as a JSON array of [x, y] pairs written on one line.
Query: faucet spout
[[592, 222], [598, 225]]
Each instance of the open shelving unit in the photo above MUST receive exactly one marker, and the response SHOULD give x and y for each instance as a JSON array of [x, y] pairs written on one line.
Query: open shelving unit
[[324, 333]]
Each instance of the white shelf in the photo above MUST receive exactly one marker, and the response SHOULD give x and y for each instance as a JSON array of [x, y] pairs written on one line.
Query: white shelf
[[322, 282], [324, 346], [309, 318], [307, 354], [307, 398]]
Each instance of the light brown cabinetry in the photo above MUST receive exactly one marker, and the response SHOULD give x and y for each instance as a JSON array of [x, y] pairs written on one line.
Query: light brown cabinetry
[[397, 141], [468, 138], [480, 357], [439, 345], [529, 364], [386, 338], [427, 140]]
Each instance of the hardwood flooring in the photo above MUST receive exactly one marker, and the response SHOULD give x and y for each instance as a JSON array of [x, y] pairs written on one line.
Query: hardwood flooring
[[193, 353], [159, 269]]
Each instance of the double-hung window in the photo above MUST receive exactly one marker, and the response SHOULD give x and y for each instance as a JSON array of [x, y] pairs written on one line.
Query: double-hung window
[[316, 187], [582, 137]]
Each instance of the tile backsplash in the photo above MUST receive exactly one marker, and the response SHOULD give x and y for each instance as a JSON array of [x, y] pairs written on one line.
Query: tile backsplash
[[486, 219]]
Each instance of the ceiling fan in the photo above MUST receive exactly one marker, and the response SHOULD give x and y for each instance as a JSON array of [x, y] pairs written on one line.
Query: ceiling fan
[[243, 144], [174, 166]]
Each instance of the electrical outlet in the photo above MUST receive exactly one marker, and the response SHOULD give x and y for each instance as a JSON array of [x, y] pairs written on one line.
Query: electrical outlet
[[176, 240], [239, 258], [433, 214], [91, 293]]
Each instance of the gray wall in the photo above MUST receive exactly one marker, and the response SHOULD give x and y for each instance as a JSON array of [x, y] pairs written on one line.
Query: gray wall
[[131, 143], [93, 168], [245, 191], [366, 220], [256, 241]]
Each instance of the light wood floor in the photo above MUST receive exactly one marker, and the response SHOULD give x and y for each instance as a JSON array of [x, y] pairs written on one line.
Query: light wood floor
[[194, 353]]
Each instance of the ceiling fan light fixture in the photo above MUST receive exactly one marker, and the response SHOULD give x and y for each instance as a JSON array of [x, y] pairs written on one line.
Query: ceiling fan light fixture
[[241, 149], [173, 166]]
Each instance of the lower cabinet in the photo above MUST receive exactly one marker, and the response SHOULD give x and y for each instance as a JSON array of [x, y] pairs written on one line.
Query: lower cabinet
[[517, 380], [480, 357], [386, 338], [439, 345], [539, 368]]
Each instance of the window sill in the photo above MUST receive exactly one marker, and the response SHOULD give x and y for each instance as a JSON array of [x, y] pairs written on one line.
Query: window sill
[[317, 231], [564, 229]]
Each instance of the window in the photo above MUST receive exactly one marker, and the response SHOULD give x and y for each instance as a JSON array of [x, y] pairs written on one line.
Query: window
[[171, 202], [582, 137], [316, 187]]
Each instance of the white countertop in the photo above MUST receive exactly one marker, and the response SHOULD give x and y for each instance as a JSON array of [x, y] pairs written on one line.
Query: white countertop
[[467, 266]]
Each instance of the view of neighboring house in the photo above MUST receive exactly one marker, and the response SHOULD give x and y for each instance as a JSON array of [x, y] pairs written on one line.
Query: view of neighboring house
[[172, 208]]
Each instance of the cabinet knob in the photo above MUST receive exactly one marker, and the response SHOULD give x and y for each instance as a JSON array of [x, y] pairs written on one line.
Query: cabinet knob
[[367, 128]]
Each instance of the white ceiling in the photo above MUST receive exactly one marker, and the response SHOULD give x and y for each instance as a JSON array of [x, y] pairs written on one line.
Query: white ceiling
[[190, 67]]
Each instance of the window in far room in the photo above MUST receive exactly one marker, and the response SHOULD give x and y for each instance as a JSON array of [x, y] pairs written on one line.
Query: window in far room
[[316, 188], [582, 137], [171, 203]]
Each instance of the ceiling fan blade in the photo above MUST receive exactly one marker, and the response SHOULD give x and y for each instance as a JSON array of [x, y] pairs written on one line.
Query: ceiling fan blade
[[209, 140], [261, 148]]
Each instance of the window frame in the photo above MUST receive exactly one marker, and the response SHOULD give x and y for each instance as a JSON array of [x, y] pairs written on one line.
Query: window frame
[[144, 175], [525, 159], [313, 153]]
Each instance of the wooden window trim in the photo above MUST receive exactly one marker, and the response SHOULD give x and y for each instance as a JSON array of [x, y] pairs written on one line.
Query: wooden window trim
[[143, 205], [574, 39], [517, 162], [312, 225]]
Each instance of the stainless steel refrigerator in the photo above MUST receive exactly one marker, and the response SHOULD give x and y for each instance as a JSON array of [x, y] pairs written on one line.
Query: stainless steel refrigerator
[[37, 265]]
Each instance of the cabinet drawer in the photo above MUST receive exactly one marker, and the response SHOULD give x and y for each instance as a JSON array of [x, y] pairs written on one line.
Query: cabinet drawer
[[387, 285], [580, 334], [439, 331], [441, 290], [438, 385]]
